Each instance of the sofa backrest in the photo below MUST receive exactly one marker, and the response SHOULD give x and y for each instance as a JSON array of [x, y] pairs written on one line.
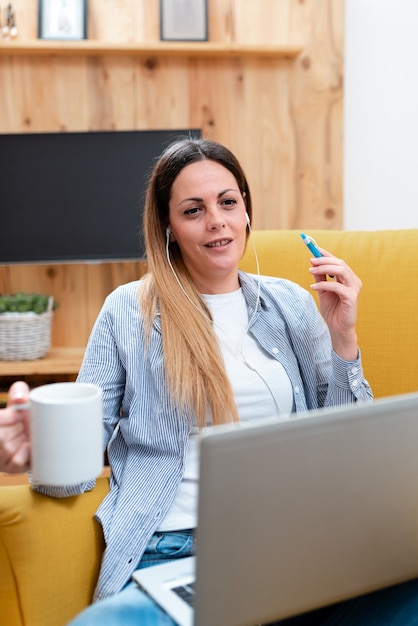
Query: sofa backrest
[[387, 263]]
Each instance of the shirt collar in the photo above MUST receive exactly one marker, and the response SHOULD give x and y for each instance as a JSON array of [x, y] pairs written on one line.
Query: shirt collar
[[250, 288]]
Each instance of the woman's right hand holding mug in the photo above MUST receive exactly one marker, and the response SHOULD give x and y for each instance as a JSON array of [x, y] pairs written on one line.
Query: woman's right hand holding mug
[[15, 431]]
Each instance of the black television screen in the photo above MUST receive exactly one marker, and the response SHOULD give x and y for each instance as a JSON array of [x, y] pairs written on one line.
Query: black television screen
[[76, 197]]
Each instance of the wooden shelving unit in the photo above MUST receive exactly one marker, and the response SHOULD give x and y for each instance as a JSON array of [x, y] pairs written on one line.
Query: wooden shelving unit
[[58, 361], [92, 47], [67, 361]]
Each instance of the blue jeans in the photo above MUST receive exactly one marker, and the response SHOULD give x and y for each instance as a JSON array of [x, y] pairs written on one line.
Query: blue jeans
[[131, 606], [394, 606]]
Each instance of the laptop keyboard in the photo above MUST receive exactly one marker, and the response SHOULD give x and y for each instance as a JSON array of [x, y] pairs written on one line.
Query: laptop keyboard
[[186, 593]]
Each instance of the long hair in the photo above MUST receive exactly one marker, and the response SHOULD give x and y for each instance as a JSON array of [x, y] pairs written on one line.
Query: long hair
[[194, 367]]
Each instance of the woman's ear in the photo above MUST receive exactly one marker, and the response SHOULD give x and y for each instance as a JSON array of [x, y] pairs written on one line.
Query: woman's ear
[[169, 234]]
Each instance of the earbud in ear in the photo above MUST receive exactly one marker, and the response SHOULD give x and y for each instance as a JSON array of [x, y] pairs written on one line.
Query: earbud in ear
[[248, 219], [169, 234]]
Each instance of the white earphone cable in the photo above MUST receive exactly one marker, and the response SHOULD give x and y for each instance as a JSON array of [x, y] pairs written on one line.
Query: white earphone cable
[[240, 348], [167, 250]]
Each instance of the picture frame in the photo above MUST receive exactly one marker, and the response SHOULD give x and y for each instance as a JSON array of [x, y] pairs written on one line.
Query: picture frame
[[62, 19], [183, 20]]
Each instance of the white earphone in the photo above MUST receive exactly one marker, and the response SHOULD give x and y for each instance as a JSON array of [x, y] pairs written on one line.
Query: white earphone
[[248, 219]]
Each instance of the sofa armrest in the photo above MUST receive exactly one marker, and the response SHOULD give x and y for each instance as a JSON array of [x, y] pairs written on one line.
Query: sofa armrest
[[50, 552]]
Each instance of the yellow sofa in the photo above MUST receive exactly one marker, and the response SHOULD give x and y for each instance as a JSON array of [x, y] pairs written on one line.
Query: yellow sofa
[[50, 549]]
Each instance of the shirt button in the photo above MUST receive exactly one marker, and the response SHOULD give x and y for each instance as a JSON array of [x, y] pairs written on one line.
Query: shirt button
[[296, 389], [354, 370], [275, 350], [355, 383]]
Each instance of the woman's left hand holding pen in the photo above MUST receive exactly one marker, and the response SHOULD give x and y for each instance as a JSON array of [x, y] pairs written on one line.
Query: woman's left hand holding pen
[[338, 301]]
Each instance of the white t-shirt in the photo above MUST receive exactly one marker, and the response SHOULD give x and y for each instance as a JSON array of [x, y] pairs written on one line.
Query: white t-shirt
[[260, 384]]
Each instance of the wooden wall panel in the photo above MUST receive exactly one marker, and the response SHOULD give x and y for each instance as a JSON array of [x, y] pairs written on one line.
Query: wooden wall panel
[[315, 100], [68, 285], [282, 117]]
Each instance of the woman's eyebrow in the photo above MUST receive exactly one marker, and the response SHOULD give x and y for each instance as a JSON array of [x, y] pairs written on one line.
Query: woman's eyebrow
[[191, 200], [220, 194]]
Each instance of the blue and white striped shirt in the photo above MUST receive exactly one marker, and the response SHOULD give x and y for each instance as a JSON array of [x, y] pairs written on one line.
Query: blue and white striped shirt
[[146, 434]]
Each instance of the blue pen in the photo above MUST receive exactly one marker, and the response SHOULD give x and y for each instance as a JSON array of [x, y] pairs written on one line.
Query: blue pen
[[311, 244]]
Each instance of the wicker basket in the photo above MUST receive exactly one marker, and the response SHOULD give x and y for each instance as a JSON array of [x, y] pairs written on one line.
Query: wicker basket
[[25, 336]]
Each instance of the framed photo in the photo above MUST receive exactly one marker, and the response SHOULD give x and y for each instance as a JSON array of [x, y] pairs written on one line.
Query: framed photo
[[184, 20], [62, 19]]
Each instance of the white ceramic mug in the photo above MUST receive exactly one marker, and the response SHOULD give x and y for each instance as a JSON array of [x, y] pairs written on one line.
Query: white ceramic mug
[[66, 433]]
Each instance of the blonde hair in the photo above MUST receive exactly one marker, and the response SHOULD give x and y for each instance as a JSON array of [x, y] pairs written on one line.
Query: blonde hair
[[194, 366]]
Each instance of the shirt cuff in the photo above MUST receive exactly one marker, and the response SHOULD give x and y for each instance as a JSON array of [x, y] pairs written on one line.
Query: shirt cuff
[[347, 374]]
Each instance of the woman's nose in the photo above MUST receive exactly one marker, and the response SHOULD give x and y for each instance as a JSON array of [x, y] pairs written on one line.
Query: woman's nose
[[215, 220]]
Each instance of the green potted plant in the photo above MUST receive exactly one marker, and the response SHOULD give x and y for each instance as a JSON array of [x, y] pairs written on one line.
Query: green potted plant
[[25, 325]]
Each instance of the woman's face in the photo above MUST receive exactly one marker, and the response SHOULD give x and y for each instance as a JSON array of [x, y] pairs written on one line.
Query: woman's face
[[207, 215]]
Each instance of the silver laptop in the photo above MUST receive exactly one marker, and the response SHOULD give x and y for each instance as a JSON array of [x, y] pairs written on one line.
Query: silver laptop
[[295, 515]]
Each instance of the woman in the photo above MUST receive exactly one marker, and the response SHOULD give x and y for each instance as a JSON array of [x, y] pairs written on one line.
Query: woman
[[198, 342]]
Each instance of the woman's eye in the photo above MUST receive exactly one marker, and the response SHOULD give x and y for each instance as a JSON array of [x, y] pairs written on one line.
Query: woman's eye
[[229, 202], [192, 211]]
